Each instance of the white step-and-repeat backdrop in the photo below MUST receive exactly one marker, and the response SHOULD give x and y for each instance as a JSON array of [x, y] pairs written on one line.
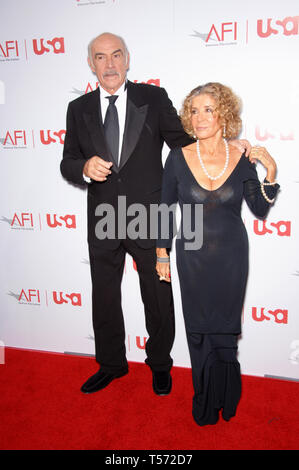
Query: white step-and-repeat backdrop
[[177, 44]]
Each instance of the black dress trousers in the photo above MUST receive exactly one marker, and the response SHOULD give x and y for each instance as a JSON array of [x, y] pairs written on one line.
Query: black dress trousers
[[106, 271]]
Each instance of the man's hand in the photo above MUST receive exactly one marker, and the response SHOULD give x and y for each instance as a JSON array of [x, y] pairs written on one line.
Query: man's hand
[[241, 145], [97, 169]]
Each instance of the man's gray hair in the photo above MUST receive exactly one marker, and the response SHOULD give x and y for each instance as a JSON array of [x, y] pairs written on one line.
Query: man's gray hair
[[102, 34]]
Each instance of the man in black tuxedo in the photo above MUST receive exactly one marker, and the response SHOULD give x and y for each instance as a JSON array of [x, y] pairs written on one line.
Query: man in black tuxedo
[[145, 118]]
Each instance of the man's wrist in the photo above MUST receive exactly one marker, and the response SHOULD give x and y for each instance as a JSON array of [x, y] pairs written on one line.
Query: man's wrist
[[86, 179]]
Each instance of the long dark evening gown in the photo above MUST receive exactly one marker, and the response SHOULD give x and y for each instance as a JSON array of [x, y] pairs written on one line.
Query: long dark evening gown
[[213, 278]]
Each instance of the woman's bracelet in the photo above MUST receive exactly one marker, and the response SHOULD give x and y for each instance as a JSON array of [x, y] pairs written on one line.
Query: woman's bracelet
[[163, 260], [270, 201]]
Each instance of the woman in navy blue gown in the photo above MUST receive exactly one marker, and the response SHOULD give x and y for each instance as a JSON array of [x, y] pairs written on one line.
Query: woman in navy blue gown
[[214, 174]]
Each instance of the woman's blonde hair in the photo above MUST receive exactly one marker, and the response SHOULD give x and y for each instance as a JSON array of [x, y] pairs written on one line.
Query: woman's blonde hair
[[228, 108]]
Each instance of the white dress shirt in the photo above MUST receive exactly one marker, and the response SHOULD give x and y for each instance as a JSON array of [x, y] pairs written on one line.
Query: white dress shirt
[[121, 105]]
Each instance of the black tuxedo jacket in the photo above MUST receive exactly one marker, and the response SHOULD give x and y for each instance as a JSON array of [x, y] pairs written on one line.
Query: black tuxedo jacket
[[151, 120]]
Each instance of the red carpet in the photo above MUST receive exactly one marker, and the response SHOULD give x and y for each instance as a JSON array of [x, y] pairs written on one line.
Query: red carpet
[[42, 408]]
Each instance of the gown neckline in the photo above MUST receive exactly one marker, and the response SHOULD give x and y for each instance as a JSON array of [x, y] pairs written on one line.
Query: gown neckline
[[202, 187]]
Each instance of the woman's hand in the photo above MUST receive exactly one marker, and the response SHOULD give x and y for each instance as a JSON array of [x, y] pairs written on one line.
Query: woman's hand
[[163, 268], [261, 154]]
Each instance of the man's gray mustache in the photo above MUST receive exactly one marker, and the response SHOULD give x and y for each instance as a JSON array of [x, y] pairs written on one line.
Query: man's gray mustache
[[110, 72]]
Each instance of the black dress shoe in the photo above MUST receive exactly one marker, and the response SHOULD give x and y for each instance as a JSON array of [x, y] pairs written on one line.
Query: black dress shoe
[[99, 381], [162, 382]]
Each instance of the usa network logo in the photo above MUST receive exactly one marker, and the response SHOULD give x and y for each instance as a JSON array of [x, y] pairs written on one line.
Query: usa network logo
[[288, 26], [136, 342], [264, 133], [277, 315], [17, 49], [282, 228]]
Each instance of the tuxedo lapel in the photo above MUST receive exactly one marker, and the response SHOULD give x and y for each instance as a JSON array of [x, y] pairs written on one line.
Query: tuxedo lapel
[[94, 122], [135, 118]]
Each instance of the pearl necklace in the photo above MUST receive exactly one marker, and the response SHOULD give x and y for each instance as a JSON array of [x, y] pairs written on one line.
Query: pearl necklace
[[204, 168]]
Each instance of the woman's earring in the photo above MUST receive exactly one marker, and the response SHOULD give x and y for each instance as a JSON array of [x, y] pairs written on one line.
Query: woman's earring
[[224, 132]]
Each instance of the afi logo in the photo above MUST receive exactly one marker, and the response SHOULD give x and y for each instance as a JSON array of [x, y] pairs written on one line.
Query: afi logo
[[283, 227], [288, 27], [48, 137], [68, 221], [151, 81], [15, 138], [30, 296], [56, 45], [88, 88], [9, 49], [226, 31], [62, 298], [279, 315], [23, 220]]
